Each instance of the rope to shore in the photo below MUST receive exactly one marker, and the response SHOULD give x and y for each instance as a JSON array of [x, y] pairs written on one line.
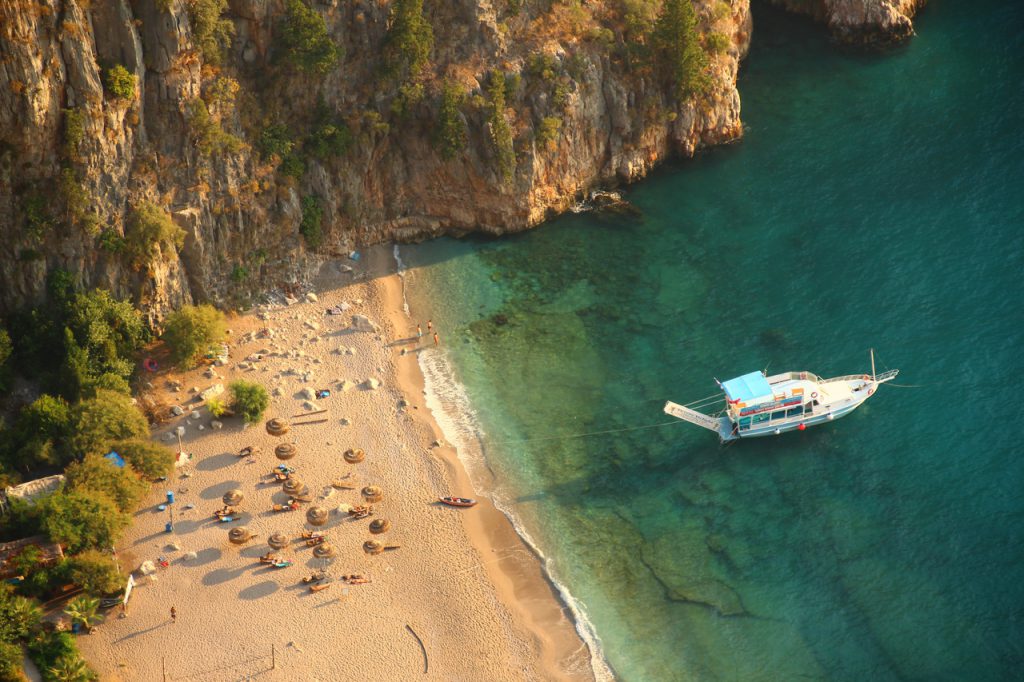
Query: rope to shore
[[591, 433]]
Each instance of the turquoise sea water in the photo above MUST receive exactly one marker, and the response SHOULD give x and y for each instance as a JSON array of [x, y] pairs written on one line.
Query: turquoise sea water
[[877, 200]]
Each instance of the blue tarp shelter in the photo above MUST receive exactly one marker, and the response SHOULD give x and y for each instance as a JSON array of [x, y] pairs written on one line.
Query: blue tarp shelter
[[747, 388], [115, 458]]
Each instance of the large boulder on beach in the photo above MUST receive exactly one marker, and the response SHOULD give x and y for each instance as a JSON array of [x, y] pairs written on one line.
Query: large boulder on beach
[[307, 394], [361, 323], [371, 384]]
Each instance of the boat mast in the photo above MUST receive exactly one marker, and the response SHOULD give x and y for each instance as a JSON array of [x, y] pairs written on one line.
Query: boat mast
[[872, 364]]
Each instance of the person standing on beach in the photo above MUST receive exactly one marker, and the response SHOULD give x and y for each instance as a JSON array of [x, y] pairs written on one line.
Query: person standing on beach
[[174, 615], [437, 341], [419, 332], [430, 326]]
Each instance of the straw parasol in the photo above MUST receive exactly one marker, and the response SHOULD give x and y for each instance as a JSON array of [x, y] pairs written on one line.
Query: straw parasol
[[354, 456], [373, 546], [278, 540], [239, 535], [233, 497], [324, 550], [378, 526], [373, 493], [285, 451], [293, 485], [278, 426], [316, 515]]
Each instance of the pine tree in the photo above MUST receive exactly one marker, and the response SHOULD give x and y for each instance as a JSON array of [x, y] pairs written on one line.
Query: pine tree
[[679, 54]]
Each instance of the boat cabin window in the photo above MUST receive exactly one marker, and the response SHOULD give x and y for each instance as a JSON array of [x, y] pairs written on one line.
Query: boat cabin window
[[761, 418], [795, 412], [781, 414], [744, 423]]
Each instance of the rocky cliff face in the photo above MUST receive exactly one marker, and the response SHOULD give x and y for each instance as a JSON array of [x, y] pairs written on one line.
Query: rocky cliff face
[[75, 158], [861, 21]]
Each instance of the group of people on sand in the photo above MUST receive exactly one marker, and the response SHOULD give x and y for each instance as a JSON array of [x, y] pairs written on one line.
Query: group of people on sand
[[430, 330]]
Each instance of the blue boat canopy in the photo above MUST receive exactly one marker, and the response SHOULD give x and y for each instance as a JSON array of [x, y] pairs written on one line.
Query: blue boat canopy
[[747, 388]]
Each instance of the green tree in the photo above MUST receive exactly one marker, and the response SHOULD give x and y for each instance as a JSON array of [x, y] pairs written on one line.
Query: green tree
[[149, 459], [106, 417], [6, 349], [81, 521], [74, 132], [548, 131], [151, 233], [211, 31], [120, 82], [250, 400], [311, 225], [500, 131], [679, 54], [41, 432], [409, 40], [70, 669], [96, 572], [19, 616], [450, 129], [207, 134], [84, 610], [10, 663], [190, 331], [304, 41], [95, 473]]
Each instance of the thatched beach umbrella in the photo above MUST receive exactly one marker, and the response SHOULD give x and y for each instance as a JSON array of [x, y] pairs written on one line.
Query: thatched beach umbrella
[[278, 426], [278, 540], [378, 526], [232, 498], [373, 546], [293, 485], [354, 456], [324, 550], [373, 493], [285, 451], [316, 515], [239, 535]]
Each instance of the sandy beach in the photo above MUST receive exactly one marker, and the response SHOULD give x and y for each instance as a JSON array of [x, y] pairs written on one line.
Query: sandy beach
[[462, 582]]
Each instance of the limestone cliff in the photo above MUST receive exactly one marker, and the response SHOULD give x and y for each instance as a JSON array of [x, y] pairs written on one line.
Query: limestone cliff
[[861, 21], [75, 157]]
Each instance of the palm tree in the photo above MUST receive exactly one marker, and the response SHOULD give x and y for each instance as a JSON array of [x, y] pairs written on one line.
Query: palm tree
[[84, 610], [71, 669], [23, 615]]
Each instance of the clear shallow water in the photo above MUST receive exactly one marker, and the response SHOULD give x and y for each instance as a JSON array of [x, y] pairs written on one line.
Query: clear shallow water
[[877, 200]]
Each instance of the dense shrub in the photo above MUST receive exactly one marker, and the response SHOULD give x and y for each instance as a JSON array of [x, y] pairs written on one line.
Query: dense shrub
[[500, 131], [409, 40], [304, 41], [275, 141], [450, 129], [548, 131], [120, 82], [83, 520], [329, 139], [41, 432], [74, 132], [96, 572], [311, 226], [97, 474], [250, 400], [150, 459], [10, 663], [6, 348], [210, 30], [679, 55], [190, 331], [717, 43], [151, 233], [19, 616], [58, 659], [107, 417], [207, 134]]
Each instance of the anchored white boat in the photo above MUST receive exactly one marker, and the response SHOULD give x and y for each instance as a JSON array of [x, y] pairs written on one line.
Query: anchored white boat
[[759, 405]]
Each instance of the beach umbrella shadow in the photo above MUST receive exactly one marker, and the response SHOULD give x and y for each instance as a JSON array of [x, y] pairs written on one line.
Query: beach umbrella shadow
[[222, 575], [259, 590], [217, 490], [215, 462], [205, 556]]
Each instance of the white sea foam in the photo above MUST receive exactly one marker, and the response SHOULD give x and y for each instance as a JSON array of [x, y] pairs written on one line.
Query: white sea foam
[[400, 271]]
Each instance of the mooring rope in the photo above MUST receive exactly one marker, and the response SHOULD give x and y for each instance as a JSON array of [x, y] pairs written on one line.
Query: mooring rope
[[590, 433]]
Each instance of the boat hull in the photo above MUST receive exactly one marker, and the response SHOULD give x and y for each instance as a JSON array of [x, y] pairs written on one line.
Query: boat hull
[[775, 430]]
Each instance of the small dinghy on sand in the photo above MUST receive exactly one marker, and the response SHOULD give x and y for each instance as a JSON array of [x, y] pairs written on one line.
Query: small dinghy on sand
[[457, 501]]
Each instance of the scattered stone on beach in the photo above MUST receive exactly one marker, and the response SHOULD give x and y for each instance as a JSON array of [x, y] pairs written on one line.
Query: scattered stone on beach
[[307, 376], [313, 325], [311, 297], [404, 351], [310, 406], [167, 437], [308, 393], [201, 427], [361, 323], [174, 547], [277, 391], [344, 421], [344, 385], [210, 373], [216, 425], [212, 391], [437, 444], [190, 555], [147, 568], [371, 384], [193, 415], [194, 389], [177, 411], [402, 403], [350, 351]]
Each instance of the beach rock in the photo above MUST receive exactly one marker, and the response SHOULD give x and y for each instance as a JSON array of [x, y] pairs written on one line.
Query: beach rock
[[371, 384], [310, 406], [313, 325], [350, 350], [264, 316], [167, 437], [311, 297], [174, 547], [307, 376], [361, 323], [210, 373], [344, 421], [403, 351], [216, 425], [308, 393], [345, 386], [200, 427], [288, 300], [277, 391], [190, 555], [147, 568], [177, 411], [212, 391], [193, 415], [180, 430]]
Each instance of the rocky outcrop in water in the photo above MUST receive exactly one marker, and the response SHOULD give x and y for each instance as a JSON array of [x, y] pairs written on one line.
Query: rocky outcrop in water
[[861, 21], [77, 158]]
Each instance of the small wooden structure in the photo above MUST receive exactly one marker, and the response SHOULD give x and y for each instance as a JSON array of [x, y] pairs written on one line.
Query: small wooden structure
[[49, 554]]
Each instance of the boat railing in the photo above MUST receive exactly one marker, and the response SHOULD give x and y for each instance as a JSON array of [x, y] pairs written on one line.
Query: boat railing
[[793, 376], [884, 376]]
